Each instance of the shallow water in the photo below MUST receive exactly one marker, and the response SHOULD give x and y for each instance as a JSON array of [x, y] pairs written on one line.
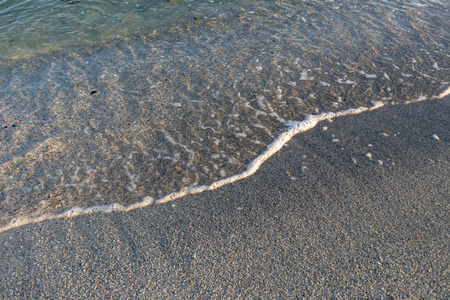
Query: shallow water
[[144, 116], [36, 26]]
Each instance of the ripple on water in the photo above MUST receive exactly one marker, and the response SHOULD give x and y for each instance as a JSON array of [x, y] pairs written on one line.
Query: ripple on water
[[192, 104]]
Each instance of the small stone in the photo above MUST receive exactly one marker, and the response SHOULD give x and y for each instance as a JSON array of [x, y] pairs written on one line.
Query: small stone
[[436, 137]]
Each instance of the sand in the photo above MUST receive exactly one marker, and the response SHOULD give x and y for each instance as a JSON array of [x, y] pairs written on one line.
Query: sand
[[356, 208]]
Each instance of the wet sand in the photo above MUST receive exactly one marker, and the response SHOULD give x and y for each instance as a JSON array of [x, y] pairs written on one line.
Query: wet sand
[[356, 208]]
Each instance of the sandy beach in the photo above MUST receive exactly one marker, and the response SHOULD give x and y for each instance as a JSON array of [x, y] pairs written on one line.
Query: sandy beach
[[356, 208]]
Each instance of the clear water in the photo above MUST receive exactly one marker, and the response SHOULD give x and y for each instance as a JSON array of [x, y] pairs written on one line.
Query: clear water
[[31, 26], [189, 103]]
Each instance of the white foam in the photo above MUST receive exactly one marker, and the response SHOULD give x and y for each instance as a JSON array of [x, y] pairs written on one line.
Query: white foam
[[443, 94], [304, 75], [345, 82], [294, 127]]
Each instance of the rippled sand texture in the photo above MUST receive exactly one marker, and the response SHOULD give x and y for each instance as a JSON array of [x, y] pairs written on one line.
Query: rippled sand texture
[[189, 105]]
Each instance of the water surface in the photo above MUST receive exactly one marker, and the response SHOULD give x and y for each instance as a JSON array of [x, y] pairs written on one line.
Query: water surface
[[36, 26], [186, 104]]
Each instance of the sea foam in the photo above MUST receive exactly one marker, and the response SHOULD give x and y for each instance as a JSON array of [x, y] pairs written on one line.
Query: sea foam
[[293, 128]]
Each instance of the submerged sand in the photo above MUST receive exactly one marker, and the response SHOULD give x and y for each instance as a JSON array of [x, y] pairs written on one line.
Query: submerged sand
[[355, 208], [143, 117]]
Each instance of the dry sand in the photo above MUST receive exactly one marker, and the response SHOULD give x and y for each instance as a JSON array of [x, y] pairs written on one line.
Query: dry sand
[[353, 209]]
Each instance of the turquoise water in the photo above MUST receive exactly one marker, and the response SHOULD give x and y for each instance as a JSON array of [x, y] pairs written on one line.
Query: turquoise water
[[123, 117], [31, 26]]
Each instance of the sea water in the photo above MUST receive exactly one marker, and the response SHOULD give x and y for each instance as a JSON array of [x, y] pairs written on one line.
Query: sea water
[[31, 26], [190, 95]]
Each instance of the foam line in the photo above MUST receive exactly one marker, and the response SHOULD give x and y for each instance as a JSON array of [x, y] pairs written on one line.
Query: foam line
[[443, 94], [294, 127]]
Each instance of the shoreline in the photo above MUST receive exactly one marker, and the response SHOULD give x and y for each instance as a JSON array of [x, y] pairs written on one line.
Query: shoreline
[[159, 112], [294, 128], [353, 208]]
